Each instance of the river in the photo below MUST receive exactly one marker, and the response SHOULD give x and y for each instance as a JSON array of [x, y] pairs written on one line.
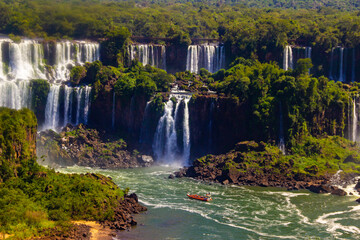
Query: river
[[236, 212]]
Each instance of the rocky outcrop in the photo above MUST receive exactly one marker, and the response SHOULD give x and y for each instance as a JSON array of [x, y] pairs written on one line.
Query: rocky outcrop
[[75, 231], [87, 147], [258, 164], [123, 214]]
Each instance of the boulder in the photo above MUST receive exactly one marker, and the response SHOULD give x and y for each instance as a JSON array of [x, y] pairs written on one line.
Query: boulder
[[337, 191], [319, 188], [357, 186]]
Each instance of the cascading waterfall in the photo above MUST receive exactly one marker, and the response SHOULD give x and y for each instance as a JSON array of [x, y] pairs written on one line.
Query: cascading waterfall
[[186, 133], [342, 64], [154, 55], [52, 108], [26, 61], [2, 72], [68, 91], [341, 72], [288, 58], [166, 140], [354, 121], [210, 57], [15, 95], [87, 104]]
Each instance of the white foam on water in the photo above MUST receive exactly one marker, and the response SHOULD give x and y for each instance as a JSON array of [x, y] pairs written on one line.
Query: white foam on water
[[333, 225]]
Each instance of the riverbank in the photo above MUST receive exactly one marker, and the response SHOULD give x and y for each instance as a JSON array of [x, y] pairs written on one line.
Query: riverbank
[[250, 212], [311, 164]]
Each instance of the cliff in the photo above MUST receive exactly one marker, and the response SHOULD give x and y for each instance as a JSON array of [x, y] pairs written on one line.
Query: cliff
[[87, 147], [17, 140]]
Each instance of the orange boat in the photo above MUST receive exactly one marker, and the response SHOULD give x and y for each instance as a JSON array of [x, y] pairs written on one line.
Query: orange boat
[[201, 198]]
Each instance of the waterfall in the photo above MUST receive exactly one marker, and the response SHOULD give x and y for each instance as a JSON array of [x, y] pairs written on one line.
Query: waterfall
[[192, 59], [87, 104], [67, 105], [287, 58], [15, 95], [331, 77], [308, 52], [52, 108], [354, 122], [166, 140], [341, 70], [210, 57], [154, 55], [113, 112], [79, 94], [281, 132], [186, 135], [2, 72], [26, 60]]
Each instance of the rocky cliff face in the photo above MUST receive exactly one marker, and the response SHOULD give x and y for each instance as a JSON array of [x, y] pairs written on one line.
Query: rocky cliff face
[[129, 114], [87, 147], [216, 124]]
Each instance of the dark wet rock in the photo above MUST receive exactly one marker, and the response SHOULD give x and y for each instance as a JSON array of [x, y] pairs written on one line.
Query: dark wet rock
[[358, 200], [123, 219], [337, 191], [247, 146], [319, 188], [75, 231], [87, 147], [357, 186]]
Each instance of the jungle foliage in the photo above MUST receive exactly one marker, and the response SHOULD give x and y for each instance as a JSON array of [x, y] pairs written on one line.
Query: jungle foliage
[[253, 27], [32, 197]]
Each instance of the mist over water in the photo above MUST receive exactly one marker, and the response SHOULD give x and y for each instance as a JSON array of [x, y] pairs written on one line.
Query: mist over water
[[235, 212]]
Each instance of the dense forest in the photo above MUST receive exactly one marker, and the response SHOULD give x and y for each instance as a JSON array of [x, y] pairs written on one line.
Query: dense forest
[[245, 27]]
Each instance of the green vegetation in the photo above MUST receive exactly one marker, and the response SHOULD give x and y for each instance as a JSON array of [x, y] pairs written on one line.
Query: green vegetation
[[137, 79], [252, 31], [310, 157], [34, 198], [308, 104]]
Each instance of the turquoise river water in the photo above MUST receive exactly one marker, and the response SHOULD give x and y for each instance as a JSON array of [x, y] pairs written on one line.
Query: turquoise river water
[[235, 212]]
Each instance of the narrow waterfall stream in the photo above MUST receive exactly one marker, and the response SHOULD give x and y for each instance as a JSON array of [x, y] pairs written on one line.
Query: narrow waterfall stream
[[288, 58]]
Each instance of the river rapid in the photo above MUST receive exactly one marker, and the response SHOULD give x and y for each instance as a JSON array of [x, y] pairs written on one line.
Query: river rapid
[[236, 212]]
